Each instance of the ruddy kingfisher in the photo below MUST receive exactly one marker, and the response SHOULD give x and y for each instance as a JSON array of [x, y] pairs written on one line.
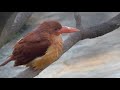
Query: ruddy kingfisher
[[40, 47]]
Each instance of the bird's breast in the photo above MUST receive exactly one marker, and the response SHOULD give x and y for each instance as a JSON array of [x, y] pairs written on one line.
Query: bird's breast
[[53, 52]]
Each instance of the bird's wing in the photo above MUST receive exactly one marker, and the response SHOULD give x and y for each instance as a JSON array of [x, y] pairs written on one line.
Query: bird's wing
[[31, 46]]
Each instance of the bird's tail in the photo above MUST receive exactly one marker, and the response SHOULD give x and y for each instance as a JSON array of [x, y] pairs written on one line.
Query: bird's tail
[[4, 63]]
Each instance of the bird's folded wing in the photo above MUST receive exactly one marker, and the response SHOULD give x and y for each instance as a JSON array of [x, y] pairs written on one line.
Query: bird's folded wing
[[30, 47]]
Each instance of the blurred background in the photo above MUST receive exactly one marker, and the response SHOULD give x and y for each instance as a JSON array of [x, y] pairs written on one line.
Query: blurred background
[[88, 58]]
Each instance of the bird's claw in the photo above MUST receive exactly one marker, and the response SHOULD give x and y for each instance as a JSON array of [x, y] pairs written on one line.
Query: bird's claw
[[34, 65]]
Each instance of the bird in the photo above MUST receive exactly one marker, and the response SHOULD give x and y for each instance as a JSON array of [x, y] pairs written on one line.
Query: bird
[[41, 46]]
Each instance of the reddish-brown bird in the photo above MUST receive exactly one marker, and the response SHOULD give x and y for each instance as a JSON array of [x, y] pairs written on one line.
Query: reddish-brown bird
[[41, 46]]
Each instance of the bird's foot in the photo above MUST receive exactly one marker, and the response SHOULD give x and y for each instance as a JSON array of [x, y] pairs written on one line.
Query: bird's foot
[[36, 65]]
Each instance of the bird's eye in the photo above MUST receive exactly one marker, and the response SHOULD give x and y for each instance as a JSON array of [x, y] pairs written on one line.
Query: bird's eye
[[55, 29]]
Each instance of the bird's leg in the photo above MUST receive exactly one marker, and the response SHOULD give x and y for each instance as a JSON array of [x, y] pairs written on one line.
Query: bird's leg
[[40, 63]]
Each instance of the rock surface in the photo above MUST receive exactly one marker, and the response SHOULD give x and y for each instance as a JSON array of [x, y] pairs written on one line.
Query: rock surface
[[98, 57]]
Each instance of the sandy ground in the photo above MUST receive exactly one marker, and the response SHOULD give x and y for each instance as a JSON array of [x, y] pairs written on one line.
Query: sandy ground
[[98, 57]]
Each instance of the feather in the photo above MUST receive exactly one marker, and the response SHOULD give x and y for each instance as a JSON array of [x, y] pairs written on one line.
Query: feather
[[32, 46], [52, 53]]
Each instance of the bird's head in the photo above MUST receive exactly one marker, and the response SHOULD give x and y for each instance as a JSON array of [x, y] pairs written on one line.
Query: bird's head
[[54, 27]]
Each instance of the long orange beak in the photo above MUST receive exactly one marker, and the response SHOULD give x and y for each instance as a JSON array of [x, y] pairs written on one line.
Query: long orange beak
[[66, 29]]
